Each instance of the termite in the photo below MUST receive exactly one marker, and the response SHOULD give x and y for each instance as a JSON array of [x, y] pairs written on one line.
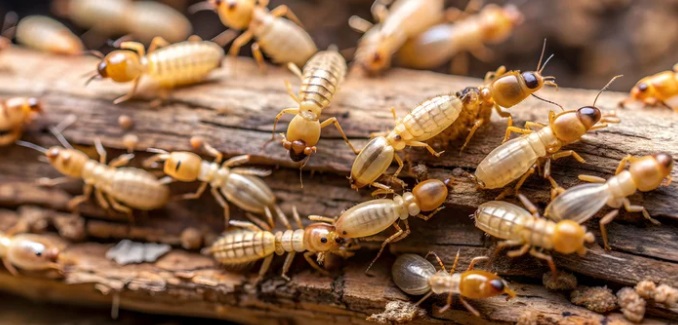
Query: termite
[[255, 243], [415, 275], [149, 19], [48, 35], [320, 80], [104, 17], [438, 44], [240, 186], [519, 227], [519, 157], [660, 89], [425, 121], [372, 217], [581, 202], [114, 186], [170, 65], [404, 19], [283, 40], [15, 113], [28, 252]]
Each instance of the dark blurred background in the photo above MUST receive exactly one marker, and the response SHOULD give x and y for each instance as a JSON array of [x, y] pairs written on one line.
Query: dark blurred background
[[592, 40]]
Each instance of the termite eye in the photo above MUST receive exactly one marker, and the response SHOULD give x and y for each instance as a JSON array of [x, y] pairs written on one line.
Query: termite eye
[[344, 232], [38, 253], [642, 86], [664, 160], [398, 137], [531, 80], [497, 284], [323, 240]]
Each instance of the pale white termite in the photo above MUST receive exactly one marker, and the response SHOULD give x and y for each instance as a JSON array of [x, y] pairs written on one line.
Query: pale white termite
[[28, 252], [519, 227], [581, 202], [425, 121], [240, 186], [48, 35], [320, 80], [254, 243], [284, 40], [149, 19], [518, 157], [169, 65], [415, 275], [372, 217], [404, 19]]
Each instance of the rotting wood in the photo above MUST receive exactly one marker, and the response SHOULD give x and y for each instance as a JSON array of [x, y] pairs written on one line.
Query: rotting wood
[[235, 114]]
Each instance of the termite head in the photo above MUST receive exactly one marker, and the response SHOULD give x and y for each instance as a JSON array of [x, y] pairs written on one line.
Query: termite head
[[572, 125], [302, 136], [643, 89], [120, 66], [69, 162], [569, 237], [24, 104], [32, 252], [375, 51], [322, 237], [430, 194], [477, 284], [235, 14], [650, 171], [498, 23], [181, 165]]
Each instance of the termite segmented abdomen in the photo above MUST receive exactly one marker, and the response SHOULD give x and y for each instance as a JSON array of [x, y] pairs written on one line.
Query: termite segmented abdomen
[[501, 219], [368, 218], [248, 192], [372, 161], [508, 162], [429, 118], [136, 188], [183, 63], [284, 41], [321, 78], [239, 247]]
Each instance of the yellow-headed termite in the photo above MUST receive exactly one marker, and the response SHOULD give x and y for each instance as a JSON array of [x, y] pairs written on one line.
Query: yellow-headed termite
[[284, 40], [48, 35], [417, 276], [519, 227], [15, 113], [404, 19], [240, 186], [372, 217], [519, 157], [114, 186], [169, 65], [581, 202], [425, 121], [501, 89], [320, 80], [28, 252], [658, 89], [255, 243], [437, 45]]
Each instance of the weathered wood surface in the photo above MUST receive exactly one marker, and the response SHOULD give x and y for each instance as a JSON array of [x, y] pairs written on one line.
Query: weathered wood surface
[[234, 112]]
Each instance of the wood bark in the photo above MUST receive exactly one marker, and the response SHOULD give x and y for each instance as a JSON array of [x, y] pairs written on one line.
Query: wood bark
[[234, 112]]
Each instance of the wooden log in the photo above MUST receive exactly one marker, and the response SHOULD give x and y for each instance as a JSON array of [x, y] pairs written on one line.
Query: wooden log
[[234, 111]]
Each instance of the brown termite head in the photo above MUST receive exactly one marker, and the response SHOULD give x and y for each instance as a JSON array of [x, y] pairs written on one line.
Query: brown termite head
[[69, 162], [569, 237], [32, 252], [19, 110], [120, 66], [650, 171], [477, 284], [498, 23], [182, 165], [571, 126], [430, 194], [303, 133], [322, 237]]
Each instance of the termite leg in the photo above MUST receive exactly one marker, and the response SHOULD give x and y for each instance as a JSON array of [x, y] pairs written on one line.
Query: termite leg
[[639, 208], [529, 205], [493, 75], [134, 46], [287, 265], [518, 252], [239, 160], [10, 268], [523, 179], [469, 307], [425, 217], [567, 153], [251, 171], [51, 182], [515, 129], [265, 265], [259, 57], [291, 111], [667, 181], [130, 94], [547, 258], [333, 120], [121, 160], [159, 42], [423, 298], [382, 189], [472, 132], [448, 303], [591, 179], [440, 262], [76, 201], [622, 163], [100, 150], [359, 24], [309, 258], [603, 230], [379, 10], [456, 262], [257, 221], [218, 156], [195, 195], [296, 217], [245, 225], [222, 202], [239, 42], [475, 261], [288, 87], [117, 206], [322, 219], [399, 235], [101, 199], [284, 11], [425, 145], [295, 69]]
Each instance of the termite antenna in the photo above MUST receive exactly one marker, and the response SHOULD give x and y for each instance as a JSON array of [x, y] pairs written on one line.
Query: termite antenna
[[93, 76], [541, 56], [56, 130], [605, 88], [200, 6], [545, 63], [157, 150], [31, 146], [548, 101]]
